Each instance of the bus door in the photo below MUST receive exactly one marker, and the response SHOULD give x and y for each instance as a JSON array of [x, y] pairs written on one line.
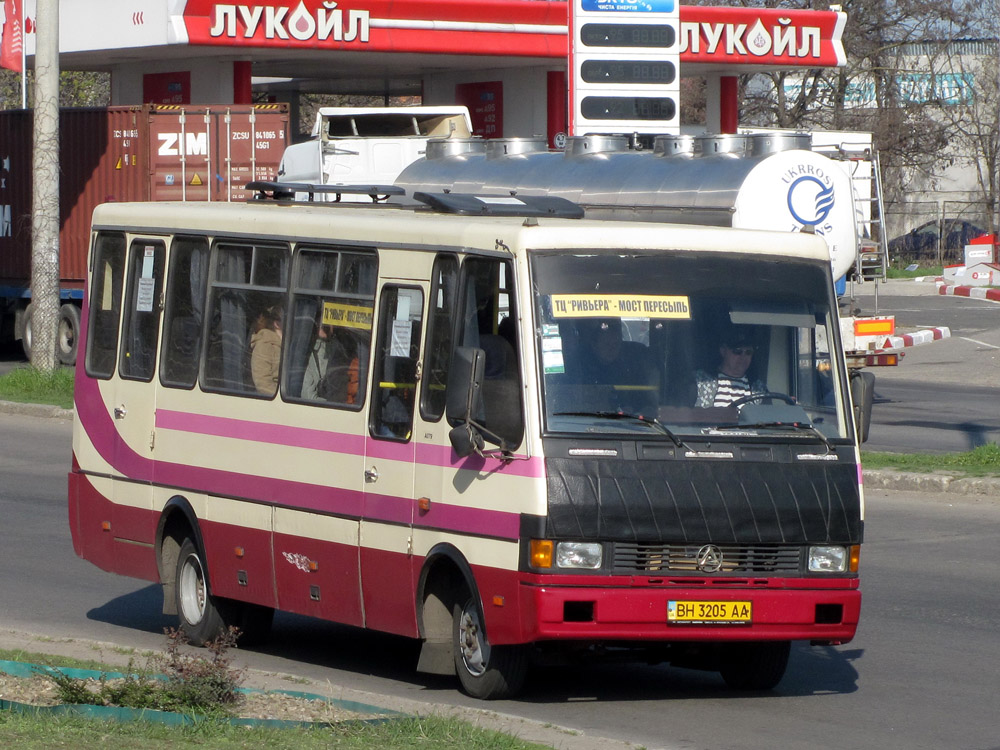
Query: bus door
[[129, 391], [386, 541]]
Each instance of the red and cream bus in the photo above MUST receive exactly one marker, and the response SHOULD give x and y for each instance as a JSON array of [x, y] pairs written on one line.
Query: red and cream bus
[[484, 423]]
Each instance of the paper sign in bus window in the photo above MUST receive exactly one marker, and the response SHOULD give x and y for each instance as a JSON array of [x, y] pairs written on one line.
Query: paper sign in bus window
[[347, 316], [620, 306], [145, 294]]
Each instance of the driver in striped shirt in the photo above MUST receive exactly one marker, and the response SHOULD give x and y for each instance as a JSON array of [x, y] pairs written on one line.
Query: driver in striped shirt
[[731, 381]]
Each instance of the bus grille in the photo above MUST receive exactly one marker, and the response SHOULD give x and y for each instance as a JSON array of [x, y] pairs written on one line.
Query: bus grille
[[683, 558]]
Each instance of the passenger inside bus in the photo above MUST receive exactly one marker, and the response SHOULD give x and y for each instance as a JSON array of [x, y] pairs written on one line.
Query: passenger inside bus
[[332, 369], [625, 368], [265, 350]]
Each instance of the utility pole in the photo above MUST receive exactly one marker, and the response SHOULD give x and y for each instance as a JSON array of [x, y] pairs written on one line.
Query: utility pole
[[45, 189]]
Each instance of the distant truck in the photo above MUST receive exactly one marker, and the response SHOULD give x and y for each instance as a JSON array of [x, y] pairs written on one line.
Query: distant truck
[[127, 153], [369, 145]]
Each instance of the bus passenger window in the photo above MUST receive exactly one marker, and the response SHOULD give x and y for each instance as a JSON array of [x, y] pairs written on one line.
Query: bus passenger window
[[185, 311], [247, 291], [329, 328], [440, 327], [105, 304], [141, 331], [395, 382]]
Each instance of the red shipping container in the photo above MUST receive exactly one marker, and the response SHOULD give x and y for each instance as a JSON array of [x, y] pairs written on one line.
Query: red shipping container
[[135, 153]]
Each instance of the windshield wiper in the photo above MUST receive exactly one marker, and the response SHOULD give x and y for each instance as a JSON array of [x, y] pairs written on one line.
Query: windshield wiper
[[807, 426], [651, 421]]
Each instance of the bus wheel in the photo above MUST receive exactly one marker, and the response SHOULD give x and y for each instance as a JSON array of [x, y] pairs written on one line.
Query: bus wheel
[[754, 666], [68, 334], [200, 619], [486, 672]]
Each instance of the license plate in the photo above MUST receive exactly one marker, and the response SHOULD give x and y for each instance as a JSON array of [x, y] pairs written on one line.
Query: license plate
[[709, 613]]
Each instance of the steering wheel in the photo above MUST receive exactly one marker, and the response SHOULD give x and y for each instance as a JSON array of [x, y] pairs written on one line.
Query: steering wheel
[[760, 396]]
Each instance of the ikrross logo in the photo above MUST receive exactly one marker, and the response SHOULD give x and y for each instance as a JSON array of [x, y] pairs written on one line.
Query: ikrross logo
[[629, 6], [810, 197]]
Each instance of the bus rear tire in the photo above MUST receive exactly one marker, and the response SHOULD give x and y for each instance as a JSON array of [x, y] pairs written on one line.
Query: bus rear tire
[[754, 666], [200, 618], [204, 617], [486, 672]]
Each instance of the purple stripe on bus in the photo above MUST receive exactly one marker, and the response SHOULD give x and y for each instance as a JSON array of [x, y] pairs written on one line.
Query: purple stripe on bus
[[267, 490], [390, 451], [261, 432]]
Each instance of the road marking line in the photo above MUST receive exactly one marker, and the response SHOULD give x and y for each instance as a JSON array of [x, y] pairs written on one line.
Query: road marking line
[[981, 343]]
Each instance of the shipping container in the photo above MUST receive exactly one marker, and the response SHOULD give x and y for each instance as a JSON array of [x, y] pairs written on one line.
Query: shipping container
[[128, 153]]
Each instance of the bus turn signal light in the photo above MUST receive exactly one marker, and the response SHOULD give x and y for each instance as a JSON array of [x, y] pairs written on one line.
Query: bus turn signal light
[[541, 553]]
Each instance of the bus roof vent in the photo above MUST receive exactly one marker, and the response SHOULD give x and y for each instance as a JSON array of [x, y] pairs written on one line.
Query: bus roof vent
[[287, 191], [467, 204]]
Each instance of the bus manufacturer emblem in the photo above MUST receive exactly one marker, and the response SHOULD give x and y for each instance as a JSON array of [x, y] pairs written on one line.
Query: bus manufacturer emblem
[[709, 559]]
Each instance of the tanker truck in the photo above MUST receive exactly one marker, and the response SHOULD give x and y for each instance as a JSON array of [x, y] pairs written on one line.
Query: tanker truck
[[769, 181]]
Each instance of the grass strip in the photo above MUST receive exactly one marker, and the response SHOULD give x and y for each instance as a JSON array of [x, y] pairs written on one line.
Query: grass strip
[[982, 461], [28, 385], [902, 273], [28, 732]]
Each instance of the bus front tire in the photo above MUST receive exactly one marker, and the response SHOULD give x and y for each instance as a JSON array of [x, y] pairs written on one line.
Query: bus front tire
[[754, 666], [486, 672]]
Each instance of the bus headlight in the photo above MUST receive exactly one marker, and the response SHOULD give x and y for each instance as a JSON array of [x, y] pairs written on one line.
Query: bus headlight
[[828, 559], [587, 555]]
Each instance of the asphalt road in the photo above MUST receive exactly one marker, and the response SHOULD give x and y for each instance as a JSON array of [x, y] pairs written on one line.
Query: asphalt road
[[943, 396], [922, 672]]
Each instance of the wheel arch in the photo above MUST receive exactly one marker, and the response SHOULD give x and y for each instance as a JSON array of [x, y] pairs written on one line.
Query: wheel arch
[[445, 573], [177, 521]]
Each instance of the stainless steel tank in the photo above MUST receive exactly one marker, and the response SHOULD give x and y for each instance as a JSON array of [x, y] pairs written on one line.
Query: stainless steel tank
[[761, 181]]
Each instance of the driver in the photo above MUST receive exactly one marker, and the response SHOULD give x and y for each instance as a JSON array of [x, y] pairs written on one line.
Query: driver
[[731, 381]]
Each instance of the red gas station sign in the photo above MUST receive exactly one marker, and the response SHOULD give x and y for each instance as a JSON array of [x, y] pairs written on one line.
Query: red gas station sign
[[709, 35]]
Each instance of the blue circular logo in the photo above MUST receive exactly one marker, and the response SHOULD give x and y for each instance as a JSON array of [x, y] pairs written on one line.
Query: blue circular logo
[[810, 201]]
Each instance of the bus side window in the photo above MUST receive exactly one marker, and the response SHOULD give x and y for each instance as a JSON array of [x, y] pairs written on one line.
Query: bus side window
[[185, 311], [440, 331], [141, 331], [105, 304], [394, 384], [328, 336], [248, 289], [489, 323]]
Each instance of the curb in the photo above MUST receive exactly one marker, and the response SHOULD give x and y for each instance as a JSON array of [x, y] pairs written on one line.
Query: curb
[[42, 411], [976, 292], [172, 718], [923, 336], [908, 481]]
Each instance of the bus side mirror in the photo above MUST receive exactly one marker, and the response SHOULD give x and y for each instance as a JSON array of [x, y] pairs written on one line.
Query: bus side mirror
[[862, 395], [464, 399]]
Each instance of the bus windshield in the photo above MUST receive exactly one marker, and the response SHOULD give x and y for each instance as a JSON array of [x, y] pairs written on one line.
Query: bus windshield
[[698, 345]]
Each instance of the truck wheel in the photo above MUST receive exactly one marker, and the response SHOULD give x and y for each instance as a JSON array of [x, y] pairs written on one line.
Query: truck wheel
[[486, 672], [27, 335], [754, 666], [200, 618], [68, 334]]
